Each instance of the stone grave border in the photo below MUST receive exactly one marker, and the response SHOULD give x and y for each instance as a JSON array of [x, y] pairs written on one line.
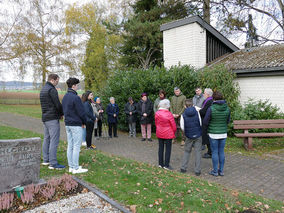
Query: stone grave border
[[103, 196]]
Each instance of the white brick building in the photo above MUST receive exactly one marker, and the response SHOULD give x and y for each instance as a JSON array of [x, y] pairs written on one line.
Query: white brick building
[[193, 41], [260, 70]]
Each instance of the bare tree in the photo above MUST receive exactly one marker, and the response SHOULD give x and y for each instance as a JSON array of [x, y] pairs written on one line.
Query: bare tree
[[232, 16], [38, 39]]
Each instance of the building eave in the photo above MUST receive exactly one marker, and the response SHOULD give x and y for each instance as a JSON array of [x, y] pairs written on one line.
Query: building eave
[[204, 24], [267, 71]]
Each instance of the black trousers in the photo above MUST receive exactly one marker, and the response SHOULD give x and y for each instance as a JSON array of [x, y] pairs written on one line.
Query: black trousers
[[162, 144], [99, 129], [89, 133], [112, 127], [205, 140]]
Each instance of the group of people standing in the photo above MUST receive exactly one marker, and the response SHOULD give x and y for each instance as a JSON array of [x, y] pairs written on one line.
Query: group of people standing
[[201, 120]]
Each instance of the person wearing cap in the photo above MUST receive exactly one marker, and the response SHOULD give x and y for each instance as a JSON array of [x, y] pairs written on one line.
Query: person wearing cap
[[162, 96], [145, 111], [177, 108], [130, 110]]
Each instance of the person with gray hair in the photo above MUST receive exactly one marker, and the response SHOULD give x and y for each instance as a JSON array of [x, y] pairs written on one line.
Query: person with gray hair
[[165, 132], [206, 104], [112, 117]]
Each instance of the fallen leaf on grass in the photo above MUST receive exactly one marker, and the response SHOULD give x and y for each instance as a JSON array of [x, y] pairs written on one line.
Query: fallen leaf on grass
[[138, 184], [182, 204], [227, 206], [189, 181], [160, 209], [133, 208], [151, 205], [160, 200], [266, 206], [238, 203], [235, 193]]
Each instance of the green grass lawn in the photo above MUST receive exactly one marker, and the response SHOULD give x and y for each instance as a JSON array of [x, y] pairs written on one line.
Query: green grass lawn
[[233, 144], [149, 188]]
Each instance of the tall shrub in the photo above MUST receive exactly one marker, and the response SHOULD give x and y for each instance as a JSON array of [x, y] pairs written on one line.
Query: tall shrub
[[132, 83], [219, 78]]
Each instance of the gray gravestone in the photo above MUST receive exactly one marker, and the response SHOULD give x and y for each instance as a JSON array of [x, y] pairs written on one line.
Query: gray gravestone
[[19, 162]]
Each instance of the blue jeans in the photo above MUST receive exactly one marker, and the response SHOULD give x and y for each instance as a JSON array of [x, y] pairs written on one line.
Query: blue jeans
[[74, 139], [50, 141], [84, 135], [218, 154]]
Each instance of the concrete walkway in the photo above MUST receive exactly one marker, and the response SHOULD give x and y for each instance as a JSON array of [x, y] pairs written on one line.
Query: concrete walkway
[[264, 177]]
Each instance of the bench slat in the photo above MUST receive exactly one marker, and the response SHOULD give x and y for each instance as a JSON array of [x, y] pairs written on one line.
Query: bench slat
[[258, 126], [245, 135], [275, 121]]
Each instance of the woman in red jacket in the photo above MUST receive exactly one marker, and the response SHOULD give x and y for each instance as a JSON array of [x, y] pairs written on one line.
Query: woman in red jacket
[[165, 132]]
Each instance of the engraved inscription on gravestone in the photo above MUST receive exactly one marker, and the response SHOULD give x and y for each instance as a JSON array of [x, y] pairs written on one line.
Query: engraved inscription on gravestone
[[19, 162]]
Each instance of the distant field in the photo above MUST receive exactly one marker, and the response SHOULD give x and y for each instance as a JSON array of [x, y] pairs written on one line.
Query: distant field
[[24, 96], [37, 91]]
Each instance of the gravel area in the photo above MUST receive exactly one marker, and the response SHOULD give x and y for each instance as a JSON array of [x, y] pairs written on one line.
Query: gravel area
[[87, 202]]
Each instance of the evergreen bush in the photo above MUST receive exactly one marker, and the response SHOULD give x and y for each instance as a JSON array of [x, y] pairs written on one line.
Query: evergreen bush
[[125, 83]]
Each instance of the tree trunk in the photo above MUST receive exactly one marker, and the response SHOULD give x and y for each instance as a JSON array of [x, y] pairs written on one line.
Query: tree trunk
[[206, 11]]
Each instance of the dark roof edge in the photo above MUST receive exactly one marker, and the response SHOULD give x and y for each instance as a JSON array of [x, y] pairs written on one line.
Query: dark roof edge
[[204, 24], [268, 71]]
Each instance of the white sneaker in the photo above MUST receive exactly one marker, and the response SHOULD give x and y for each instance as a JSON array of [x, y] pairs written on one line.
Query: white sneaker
[[45, 163], [80, 170], [84, 143], [71, 170]]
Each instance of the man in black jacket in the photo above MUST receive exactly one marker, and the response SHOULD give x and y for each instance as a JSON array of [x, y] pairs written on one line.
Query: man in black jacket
[[51, 113]]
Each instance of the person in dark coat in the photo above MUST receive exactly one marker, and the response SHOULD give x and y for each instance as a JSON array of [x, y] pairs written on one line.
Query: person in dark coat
[[145, 111], [90, 118], [190, 123], [112, 117], [75, 120], [51, 113], [100, 109], [131, 116], [206, 104]]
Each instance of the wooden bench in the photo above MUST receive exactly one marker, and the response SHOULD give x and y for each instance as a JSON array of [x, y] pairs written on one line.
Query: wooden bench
[[257, 124]]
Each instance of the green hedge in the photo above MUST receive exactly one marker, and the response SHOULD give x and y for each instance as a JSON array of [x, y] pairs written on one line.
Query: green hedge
[[123, 84]]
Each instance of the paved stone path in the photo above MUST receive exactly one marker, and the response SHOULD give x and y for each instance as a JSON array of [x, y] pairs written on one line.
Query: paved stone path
[[260, 176]]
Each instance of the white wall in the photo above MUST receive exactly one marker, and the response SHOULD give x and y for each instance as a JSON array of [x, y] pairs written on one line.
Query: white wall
[[269, 87], [185, 45]]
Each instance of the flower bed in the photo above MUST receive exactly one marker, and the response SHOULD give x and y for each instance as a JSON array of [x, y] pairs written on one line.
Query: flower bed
[[36, 195]]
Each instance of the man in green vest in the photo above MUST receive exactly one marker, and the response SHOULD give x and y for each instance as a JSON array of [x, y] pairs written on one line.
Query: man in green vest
[[177, 108]]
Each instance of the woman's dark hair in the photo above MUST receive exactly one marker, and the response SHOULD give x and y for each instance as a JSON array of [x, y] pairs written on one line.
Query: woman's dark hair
[[85, 96], [72, 81], [161, 91], [217, 96]]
